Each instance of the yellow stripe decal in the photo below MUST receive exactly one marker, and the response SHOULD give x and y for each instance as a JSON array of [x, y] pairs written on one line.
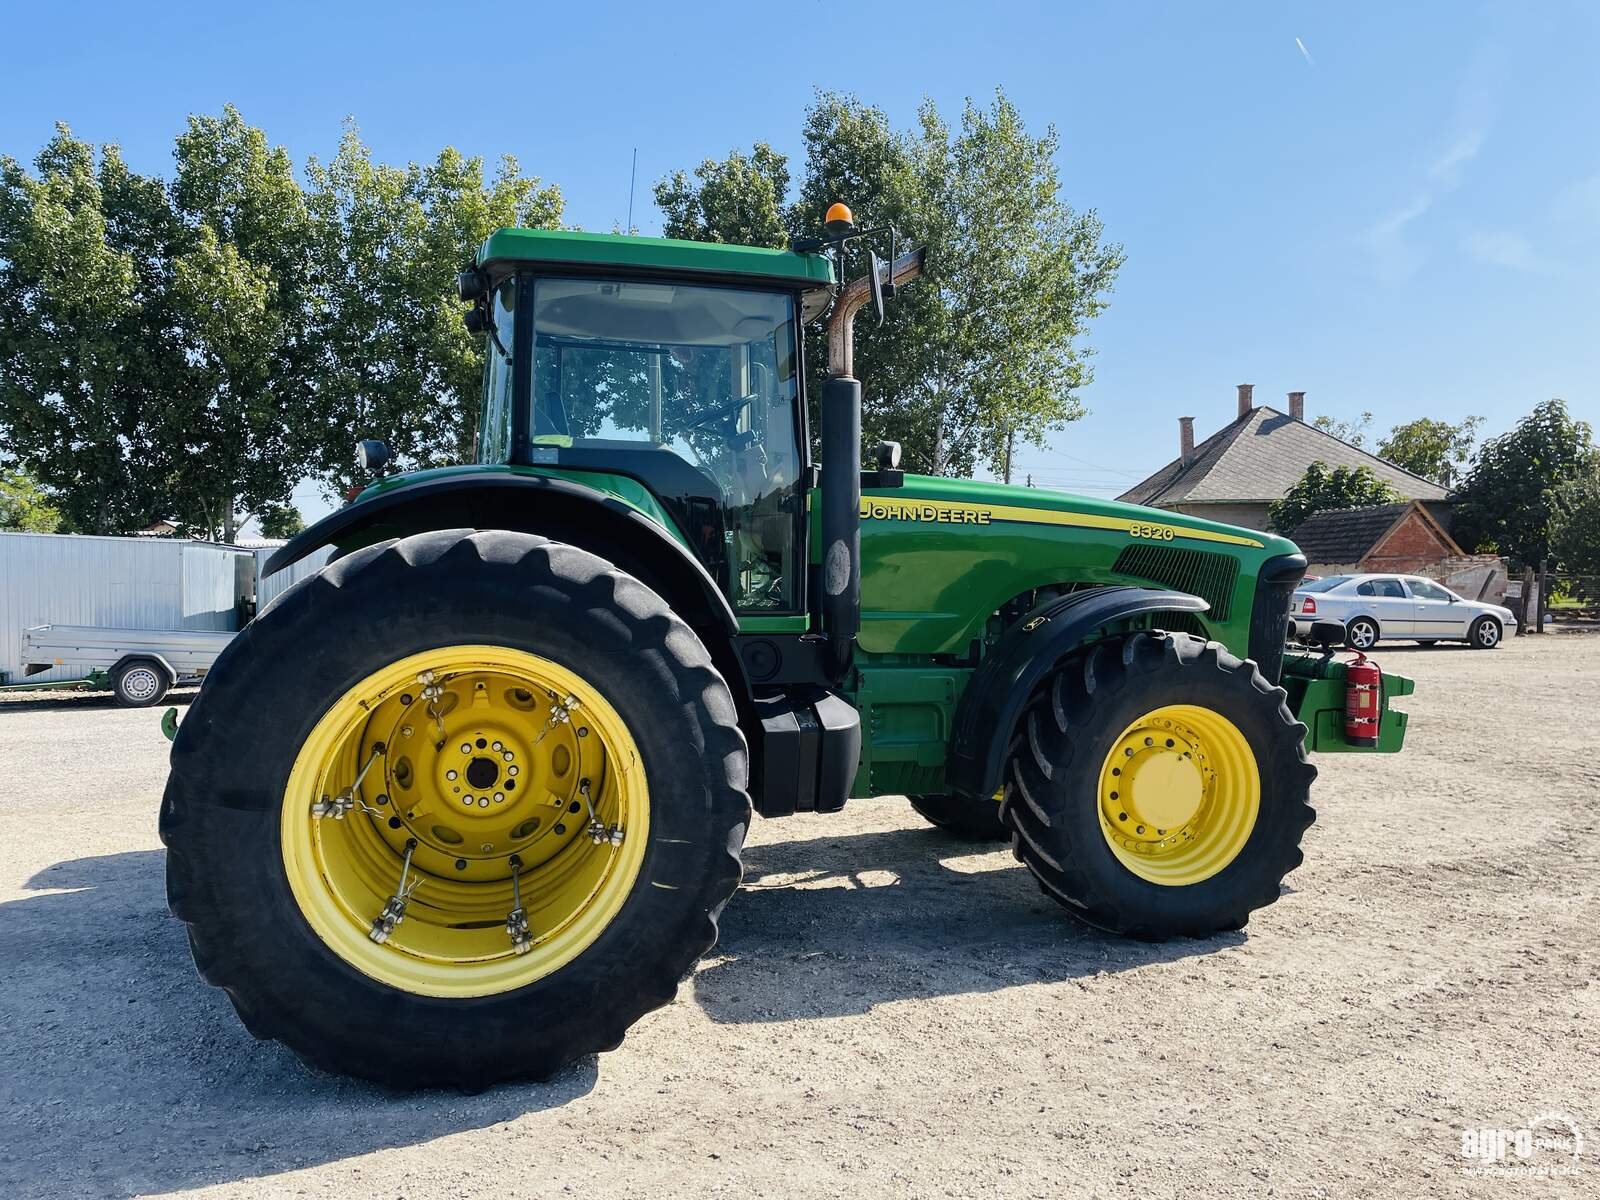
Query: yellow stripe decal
[[959, 512]]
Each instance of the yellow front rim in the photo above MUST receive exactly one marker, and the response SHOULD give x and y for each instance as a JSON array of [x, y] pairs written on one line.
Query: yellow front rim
[[1179, 794], [485, 763]]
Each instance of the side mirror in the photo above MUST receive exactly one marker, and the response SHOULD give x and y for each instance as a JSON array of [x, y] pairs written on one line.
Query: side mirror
[[373, 454], [875, 273]]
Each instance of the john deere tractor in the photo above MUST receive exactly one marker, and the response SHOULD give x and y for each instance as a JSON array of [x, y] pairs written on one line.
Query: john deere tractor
[[466, 803]]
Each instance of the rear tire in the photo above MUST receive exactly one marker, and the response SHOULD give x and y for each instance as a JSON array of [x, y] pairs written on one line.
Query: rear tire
[[1069, 739], [225, 811], [1484, 634], [1361, 634], [139, 683], [970, 820]]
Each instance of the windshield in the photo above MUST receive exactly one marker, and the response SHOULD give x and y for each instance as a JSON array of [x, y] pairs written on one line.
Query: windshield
[[706, 374], [1325, 584]]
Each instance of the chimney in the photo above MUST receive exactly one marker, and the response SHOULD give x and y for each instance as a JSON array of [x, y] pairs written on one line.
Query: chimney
[[1245, 402], [1297, 405], [1186, 439]]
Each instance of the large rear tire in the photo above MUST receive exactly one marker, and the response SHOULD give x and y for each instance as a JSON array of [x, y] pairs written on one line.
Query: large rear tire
[[1159, 787], [516, 656], [971, 820]]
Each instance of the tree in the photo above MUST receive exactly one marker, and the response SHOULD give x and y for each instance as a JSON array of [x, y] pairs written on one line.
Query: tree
[[738, 200], [1320, 490], [1435, 450], [1354, 432], [1575, 523], [24, 508], [396, 361], [280, 521], [151, 347], [1506, 503], [987, 347]]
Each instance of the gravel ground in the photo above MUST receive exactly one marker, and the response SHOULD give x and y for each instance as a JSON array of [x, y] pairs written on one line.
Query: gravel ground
[[888, 1013]]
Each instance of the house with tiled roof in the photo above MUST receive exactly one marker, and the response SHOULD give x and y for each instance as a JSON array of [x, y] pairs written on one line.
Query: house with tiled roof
[[1238, 471]]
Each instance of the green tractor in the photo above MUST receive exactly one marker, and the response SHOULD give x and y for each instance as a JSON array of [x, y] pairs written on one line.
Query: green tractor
[[466, 803]]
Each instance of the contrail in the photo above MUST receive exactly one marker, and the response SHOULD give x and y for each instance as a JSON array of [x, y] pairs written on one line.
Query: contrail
[[1305, 52]]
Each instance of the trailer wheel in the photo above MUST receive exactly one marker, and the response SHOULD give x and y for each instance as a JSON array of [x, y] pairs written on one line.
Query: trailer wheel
[[139, 683], [1159, 787], [459, 808], [973, 820]]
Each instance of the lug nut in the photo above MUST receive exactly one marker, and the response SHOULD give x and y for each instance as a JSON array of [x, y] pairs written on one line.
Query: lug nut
[[450, 775]]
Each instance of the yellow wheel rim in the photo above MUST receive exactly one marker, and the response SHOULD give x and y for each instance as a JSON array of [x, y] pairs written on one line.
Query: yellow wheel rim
[[477, 754], [1179, 795]]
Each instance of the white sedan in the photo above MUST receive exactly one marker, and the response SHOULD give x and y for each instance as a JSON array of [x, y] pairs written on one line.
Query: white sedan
[[1397, 608]]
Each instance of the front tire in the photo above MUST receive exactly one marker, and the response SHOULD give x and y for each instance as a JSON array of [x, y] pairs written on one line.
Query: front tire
[[546, 658], [1159, 787], [970, 820], [1484, 634]]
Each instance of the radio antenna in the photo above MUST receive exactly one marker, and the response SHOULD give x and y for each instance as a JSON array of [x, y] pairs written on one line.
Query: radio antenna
[[632, 176]]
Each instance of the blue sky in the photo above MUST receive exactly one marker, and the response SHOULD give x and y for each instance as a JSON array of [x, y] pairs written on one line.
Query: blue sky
[[1399, 212]]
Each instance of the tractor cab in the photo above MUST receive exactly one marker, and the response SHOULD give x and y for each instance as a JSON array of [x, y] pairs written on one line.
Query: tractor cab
[[675, 366]]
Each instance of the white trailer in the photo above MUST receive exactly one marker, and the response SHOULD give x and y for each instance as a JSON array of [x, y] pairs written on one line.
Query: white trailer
[[139, 665]]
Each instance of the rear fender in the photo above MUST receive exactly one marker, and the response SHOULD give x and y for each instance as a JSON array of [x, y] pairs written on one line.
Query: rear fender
[[555, 508], [999, 690]]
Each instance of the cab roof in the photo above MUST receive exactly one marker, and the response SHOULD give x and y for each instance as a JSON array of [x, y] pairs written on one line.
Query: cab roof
[[508, 248]]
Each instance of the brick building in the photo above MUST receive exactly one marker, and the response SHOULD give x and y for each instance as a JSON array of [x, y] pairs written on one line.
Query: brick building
[[1404, 539]]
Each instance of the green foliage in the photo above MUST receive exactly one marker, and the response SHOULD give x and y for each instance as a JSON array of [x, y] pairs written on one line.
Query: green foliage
[[1320, 490], [1435, 450], [987, 347], [1575, 522], [1354, 432], [191, 350], [738, 201], [24, 508], [397, 361], [280, 521], [1507, 501]]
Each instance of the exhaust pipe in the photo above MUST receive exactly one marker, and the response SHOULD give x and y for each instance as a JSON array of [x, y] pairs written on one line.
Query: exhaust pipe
[[841, 468]]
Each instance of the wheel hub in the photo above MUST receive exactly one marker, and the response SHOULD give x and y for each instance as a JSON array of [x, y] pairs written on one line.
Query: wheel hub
[[464, 858], [1179, 792]]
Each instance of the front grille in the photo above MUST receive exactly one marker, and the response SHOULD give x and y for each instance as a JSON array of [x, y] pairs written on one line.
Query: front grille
[[1200, 573], [1269, 616]]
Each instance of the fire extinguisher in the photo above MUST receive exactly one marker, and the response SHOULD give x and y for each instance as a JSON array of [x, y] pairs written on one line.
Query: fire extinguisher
[[1362, 701]]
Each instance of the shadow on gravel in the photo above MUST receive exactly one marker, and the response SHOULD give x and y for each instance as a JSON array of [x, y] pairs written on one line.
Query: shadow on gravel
[[881, 917], [122, 1072], [69, 701]]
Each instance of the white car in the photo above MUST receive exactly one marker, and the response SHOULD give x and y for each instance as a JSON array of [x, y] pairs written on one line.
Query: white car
[[1397, 608]]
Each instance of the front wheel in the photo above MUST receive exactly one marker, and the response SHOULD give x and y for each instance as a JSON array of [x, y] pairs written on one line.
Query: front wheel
[[459, 808], [1361, 634], [1159, 787], [1484, 634]]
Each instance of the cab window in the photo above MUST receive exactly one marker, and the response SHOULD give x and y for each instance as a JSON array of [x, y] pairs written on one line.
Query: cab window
[[707, 374]]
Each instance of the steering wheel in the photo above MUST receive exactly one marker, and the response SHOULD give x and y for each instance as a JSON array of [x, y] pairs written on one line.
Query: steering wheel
[[721, 412]]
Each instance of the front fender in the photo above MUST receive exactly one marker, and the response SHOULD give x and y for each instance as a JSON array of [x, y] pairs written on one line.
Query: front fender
[[1000, 687]]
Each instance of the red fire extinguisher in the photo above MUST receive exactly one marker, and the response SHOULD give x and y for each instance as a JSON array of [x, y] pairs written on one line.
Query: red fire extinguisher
[[1363, 684]]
